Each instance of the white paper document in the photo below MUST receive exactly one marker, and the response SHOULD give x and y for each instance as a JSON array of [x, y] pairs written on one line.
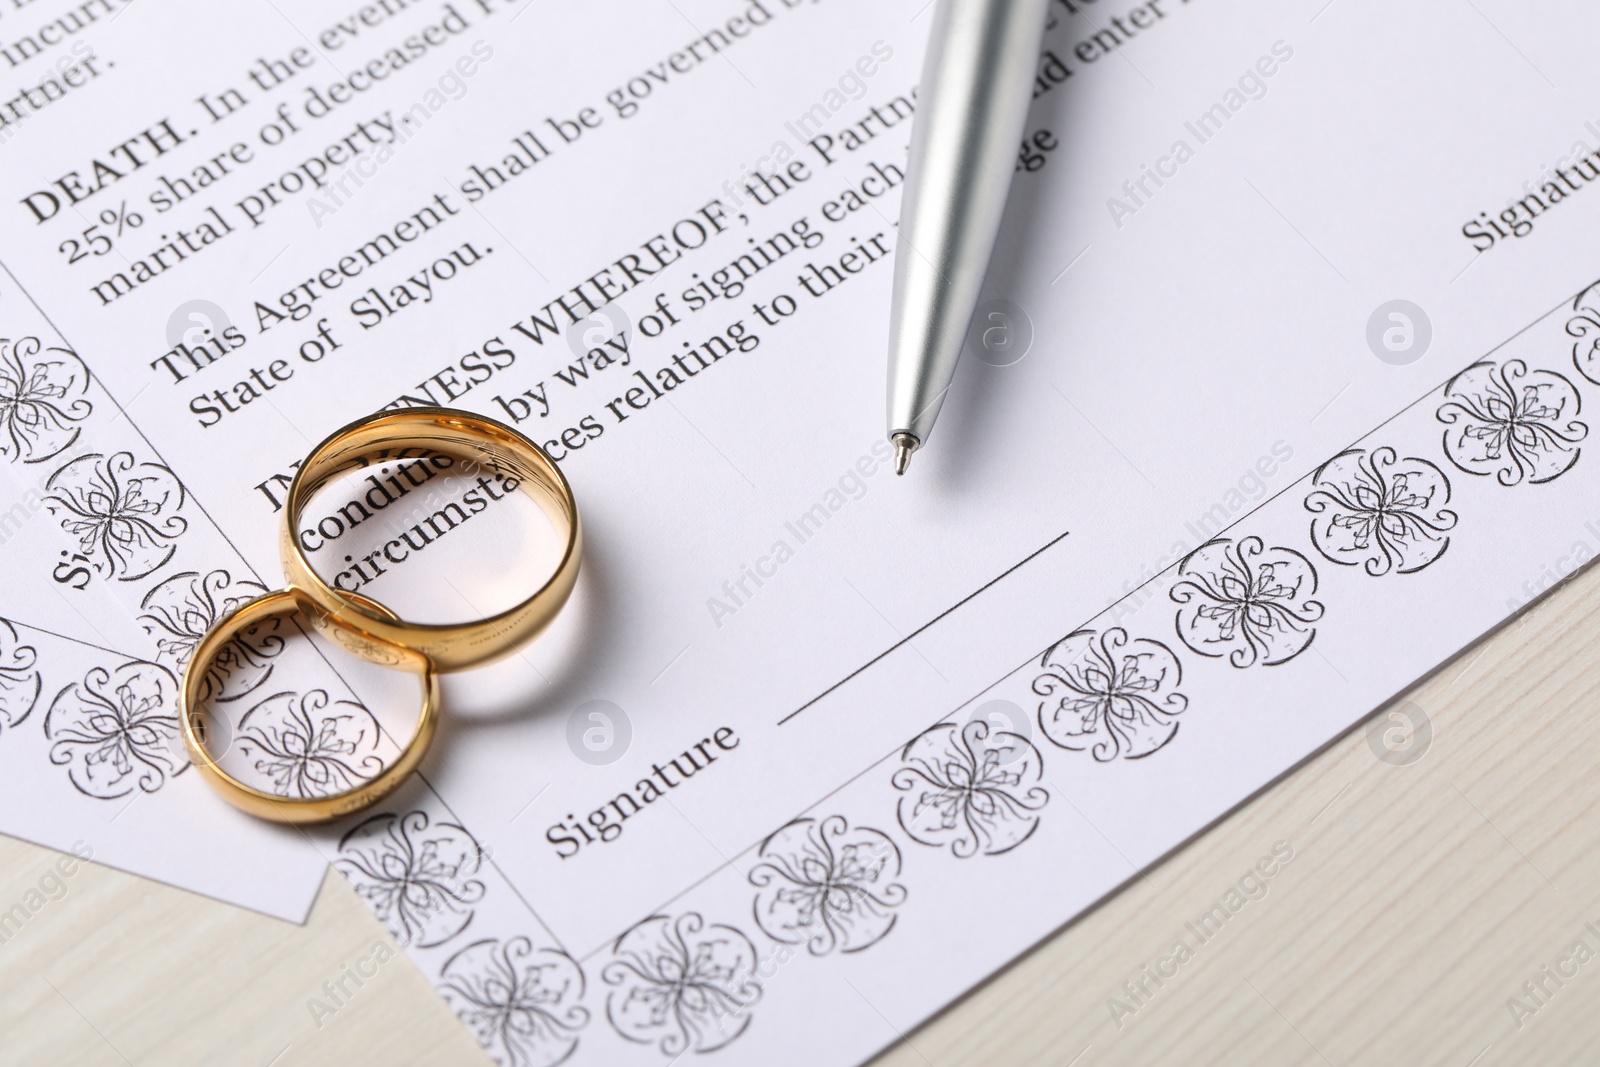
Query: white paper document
[[1276, 400]]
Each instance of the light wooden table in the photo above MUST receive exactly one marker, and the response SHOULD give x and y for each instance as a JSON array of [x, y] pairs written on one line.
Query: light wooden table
[[1420, 899]]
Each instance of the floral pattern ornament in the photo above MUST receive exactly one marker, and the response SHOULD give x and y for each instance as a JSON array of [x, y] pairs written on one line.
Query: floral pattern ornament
[[123, 513], [309, 745], [828, 886], [1380, 511], [1109, 695], [971, 787], [521, 1003], [680, 984], [1516, 424], [417, 878], [41, 400], [1584, 328], [117, 730], [19, 676], [180, 610], [1247, 602]]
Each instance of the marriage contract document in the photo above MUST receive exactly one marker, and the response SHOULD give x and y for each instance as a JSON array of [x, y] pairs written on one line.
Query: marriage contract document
[[1276, 400]]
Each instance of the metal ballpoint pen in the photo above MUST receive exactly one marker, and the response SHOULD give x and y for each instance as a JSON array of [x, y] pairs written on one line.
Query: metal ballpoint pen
[[977, 81]]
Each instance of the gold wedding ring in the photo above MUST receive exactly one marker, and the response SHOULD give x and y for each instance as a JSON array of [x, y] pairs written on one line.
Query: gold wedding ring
[[435, 431], [365, 627], [299, 809]]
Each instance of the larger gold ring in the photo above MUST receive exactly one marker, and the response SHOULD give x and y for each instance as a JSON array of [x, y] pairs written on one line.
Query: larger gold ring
[[417, 433], [302, 809]]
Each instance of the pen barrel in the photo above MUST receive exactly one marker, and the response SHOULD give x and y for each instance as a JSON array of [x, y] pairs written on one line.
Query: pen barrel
[[977, 82]]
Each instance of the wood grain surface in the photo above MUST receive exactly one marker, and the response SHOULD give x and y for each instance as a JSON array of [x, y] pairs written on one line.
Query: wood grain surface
[[1428, 912]]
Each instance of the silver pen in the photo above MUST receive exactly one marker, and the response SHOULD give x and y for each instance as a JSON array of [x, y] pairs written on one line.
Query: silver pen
[[977, 82]]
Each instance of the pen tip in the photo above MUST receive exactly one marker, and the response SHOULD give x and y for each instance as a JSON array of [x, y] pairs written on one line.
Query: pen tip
[[904, 445]]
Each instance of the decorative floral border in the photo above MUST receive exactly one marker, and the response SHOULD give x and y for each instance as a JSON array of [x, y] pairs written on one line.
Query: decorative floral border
[[971, 788], [1380, 512], [179, 610], [1110, 695], [308, 744], [42, 400], [117, 730], [1247, 602], [1584, 327], [1516, 424], [522, 1003], [681, 984], [122, 512], [826, 886], [419, 878], [19, 677]]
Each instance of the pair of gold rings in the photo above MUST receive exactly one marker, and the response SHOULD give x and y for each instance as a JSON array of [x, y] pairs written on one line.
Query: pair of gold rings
[[368, 629]]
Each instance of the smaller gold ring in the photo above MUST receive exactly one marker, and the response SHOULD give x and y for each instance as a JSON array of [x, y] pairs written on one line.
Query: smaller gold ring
[[284, 809], [414, 433]]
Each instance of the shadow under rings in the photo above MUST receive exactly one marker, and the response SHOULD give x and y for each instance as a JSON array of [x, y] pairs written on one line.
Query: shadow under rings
[[574, 644]]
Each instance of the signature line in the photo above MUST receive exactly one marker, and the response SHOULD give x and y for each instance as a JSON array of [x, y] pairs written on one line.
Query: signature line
[[1016, 566]]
